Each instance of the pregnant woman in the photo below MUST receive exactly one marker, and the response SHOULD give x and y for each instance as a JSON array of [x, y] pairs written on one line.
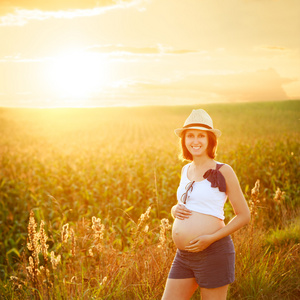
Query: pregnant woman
[[205, 256]]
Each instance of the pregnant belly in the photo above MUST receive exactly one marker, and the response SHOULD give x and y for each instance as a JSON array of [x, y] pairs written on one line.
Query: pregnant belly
[[183, 231]]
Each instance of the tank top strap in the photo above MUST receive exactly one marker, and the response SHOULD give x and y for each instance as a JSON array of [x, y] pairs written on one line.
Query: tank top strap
[[184, 172], [219, 166], [216, 178]]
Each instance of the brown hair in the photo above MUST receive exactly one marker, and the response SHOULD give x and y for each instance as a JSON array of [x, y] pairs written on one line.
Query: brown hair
[[211, 148]]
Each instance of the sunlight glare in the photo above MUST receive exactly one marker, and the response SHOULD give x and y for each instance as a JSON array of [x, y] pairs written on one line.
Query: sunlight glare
[[78, 75]]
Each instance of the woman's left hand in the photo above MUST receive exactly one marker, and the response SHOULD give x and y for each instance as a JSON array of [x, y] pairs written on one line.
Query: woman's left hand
[[199, 243]]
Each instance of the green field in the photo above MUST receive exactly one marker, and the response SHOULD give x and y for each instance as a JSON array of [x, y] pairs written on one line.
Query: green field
[[68, 165]]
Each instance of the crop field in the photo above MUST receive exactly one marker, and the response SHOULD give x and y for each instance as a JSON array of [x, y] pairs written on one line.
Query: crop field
[[86, 194]]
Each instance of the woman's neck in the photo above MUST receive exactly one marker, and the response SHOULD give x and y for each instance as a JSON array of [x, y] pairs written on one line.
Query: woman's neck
[[200, 161]]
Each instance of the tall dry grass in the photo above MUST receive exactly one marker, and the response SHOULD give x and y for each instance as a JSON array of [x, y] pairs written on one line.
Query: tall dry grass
[[84, 266], [90, 176], [91, 268]]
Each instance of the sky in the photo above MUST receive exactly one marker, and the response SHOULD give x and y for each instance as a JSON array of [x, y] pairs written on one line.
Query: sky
[[88, 53]]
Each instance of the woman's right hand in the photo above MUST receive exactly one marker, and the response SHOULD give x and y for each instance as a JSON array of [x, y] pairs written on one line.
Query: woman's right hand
[[181, 212]]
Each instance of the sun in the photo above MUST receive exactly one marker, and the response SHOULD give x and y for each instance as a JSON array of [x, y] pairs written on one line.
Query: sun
[[77, 75]]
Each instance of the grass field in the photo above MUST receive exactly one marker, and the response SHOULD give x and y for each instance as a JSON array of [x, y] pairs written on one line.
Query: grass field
[[101, 182]]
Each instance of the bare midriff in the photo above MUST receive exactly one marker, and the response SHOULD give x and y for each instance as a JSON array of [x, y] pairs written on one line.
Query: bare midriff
[[183, 231]]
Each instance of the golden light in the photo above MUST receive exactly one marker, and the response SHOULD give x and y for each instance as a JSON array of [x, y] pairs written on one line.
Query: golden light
[[78, 75]]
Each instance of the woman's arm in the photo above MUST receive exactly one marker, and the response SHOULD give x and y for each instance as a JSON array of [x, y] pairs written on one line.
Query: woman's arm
[[179, 211], [173, 211], [239, 205], [238, 202]]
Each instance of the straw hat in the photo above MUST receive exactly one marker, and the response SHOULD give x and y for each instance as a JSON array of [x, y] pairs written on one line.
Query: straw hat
[[198, 119]]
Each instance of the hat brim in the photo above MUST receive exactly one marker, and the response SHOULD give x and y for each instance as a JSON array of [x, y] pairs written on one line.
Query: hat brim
[[179, 131]]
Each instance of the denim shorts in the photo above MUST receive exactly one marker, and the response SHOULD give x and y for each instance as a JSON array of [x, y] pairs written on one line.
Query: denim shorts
[[213, 267]]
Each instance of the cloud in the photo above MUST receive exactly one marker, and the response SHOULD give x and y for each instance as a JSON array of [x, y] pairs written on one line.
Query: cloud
[[276, 48], [53, 5], [114, 52], [18, 59], [262, 85], [272, 48], [159, 49], [19, 12]]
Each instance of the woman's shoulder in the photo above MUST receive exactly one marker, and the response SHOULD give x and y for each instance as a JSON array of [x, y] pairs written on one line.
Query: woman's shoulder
[[226, 170]]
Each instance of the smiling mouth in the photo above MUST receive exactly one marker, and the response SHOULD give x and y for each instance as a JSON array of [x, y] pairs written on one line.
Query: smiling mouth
[[196, 148]]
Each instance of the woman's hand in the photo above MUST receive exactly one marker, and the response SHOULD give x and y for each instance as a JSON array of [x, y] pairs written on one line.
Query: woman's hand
[[200, 243], [180, 212]]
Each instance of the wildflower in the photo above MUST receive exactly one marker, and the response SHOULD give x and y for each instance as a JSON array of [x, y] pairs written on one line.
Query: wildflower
[[146, 228], [255, 190], [143, 218], [54, 261], [43, 239], [136, 231], [65, 233], [31, 231], [279, 196], [17, 282], [36, 244], [73, 240], [73, 279], [254, 198], [103, 280], [33, 236], [30, 269], [98, 234], [164, 226], [147, 212], [98, 228], [91, 252], [14, 278]]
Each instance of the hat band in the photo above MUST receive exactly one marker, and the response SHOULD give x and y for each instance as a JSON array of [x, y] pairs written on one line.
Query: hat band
[[197, 124]]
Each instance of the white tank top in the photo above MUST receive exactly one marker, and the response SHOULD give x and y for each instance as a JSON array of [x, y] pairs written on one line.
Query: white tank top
[[207, 196]]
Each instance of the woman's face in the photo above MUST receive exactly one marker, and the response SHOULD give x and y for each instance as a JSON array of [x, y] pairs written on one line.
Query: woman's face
[[196, 141]]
